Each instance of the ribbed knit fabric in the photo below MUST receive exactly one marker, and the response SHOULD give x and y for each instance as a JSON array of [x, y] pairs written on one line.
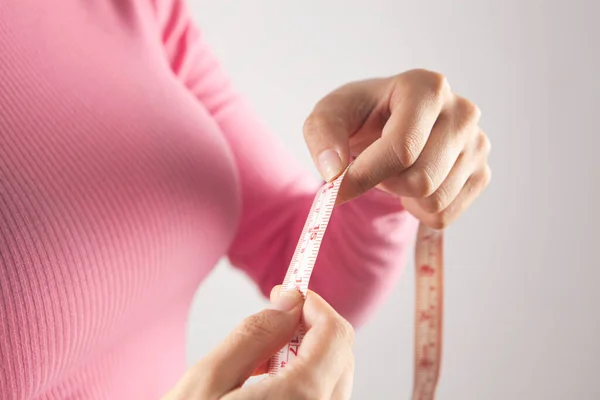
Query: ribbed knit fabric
[[128, 168]]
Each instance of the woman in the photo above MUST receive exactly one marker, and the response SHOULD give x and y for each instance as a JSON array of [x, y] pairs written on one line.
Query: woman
[[129, 166]]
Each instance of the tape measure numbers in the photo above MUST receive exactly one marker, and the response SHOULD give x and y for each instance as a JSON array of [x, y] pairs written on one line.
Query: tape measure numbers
[[429, 291]]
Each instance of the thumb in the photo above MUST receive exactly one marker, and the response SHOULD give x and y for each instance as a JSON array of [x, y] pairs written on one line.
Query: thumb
[[335, 118], [253, 342]]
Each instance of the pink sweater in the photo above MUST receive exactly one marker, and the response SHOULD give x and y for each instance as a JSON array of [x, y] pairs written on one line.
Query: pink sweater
[[128, 168]]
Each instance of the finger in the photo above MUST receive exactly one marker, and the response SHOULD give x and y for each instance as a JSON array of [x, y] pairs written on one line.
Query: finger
[[274, 293], [412, 118], [453, 130], [474, 186], [264, 367], [327, 346], [291, 388], [475, 154], [322, 359], [252, 343], [343, 389], [272, 388], [334, 120], [449, 189]]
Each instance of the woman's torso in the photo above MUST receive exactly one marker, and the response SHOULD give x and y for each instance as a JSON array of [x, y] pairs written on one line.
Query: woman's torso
[[117, 195]]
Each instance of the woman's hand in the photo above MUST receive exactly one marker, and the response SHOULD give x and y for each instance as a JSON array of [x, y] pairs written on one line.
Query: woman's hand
[[324, 368], [411, 136]]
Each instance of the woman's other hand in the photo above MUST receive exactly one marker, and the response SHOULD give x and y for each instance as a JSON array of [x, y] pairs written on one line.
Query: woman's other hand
[[324, 368], [411, 136]]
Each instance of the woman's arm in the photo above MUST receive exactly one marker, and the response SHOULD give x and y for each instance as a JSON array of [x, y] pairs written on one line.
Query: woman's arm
[[366, 244]]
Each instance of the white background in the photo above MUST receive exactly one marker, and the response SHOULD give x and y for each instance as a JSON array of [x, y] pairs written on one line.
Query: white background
[[522, 318]]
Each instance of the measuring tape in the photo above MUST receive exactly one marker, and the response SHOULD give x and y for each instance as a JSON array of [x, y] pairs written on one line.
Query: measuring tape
[[429, 291]]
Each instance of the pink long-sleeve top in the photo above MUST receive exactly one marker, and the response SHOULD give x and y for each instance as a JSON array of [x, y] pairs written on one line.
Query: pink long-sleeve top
[[128, 168]]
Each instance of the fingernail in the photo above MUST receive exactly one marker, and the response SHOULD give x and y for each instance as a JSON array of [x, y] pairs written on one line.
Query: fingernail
[[286, 301], [329, 164]]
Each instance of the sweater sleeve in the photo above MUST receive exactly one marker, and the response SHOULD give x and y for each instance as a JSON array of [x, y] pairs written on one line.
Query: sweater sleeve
[[366, 244]]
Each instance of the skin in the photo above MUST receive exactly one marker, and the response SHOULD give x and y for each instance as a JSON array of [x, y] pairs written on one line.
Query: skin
[[411, 136], [326, 353], [408, 135]]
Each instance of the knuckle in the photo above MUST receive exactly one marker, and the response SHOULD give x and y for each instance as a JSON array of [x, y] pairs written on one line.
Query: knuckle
[[486, 176], [469, 110], [420, 184], [408, 153], [363, 186], [364, 180], [313, 124], [488, 172], [435, 79], [436, 83], [323, 118], [340, 330], [483, 145], [257, 326], [441, 221], [435, 203]]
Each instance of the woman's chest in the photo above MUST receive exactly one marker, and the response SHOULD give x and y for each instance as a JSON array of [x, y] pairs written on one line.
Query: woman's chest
[[118, 192]]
